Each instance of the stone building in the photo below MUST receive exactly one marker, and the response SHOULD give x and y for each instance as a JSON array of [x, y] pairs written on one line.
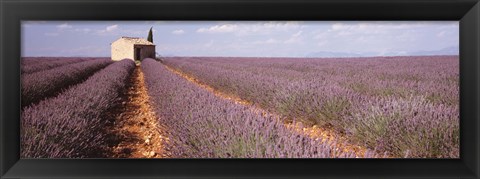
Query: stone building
[[134, 48]]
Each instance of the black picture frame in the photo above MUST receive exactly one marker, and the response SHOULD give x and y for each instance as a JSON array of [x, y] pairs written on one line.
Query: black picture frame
[[12, 12]]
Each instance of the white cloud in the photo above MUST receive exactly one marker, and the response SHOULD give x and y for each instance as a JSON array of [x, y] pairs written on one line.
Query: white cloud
[[111, 28], [295, 38], [64, 26], [268, 41], [178, 32], [338, 26], [297, 34], [371, 32], [441, 34], [347, 29], [84, 30], [107, 30], [219, 29], [253, 28], [384, 38]]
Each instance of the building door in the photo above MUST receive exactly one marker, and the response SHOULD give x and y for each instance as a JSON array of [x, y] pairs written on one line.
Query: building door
[[137, 54]]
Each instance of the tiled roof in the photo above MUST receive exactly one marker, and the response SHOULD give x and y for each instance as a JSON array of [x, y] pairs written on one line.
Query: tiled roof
[[137, 40]]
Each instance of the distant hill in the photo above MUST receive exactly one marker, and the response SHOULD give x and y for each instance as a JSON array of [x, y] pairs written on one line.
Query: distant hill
[[454, 50], [333, 54]]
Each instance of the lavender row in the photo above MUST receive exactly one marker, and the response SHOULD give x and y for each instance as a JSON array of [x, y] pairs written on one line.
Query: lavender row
[[202, 125], [31, 62], [70, 125], [399, 105], [34, 60], [47, 64], [435, 77], [40, 85]]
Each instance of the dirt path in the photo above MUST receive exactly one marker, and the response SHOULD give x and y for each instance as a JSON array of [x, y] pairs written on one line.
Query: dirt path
[[134, 130], [315, 132]]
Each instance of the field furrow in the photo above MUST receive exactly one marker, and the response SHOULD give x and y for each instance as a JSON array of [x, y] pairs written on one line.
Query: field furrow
[[134, 130]]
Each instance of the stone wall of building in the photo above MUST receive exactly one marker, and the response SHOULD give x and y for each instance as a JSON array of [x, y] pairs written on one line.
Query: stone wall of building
[[148, 51], [121, 50]]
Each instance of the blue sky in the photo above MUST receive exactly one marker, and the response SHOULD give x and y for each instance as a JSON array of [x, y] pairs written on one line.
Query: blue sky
[[245, 38]]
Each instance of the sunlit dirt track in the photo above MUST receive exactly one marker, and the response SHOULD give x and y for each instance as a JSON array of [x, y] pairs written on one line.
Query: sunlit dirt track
[[135, 132]]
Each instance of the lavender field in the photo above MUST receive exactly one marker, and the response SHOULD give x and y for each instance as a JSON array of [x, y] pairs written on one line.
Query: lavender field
[[405, 106], [47, 82], [206, 126], [70, 124], [239, 107]]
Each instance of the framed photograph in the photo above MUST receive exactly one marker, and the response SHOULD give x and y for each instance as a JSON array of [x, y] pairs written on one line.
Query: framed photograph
[[252, 89]]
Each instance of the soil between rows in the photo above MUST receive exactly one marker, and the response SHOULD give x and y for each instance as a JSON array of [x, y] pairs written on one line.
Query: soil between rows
[[134, 131]]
